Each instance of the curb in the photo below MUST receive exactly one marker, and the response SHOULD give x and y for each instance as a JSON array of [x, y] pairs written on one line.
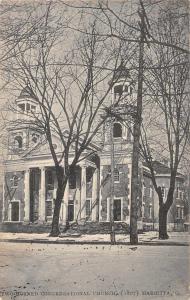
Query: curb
[[74, 242]]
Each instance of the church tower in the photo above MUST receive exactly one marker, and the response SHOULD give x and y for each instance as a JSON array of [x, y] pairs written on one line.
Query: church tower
[[23, 133], [118, 135]]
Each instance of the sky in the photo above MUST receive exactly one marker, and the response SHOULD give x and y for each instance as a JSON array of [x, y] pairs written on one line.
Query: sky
[[68, 48]]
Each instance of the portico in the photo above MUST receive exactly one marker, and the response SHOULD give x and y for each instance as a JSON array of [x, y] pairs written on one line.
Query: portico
[[80, 201]]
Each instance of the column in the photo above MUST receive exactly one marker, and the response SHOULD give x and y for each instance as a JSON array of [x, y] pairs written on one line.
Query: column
[[83, 192], [77, 195], [42, 195], [129, 193], [94, 195], [100, 194], [65, 204], [27, 196]]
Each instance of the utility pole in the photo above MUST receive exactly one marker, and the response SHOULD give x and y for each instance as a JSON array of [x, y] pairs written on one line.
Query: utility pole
[[137, 132], [112, 229]]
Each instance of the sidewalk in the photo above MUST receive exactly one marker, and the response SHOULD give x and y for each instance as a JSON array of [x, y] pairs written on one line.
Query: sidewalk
[[147, 238]]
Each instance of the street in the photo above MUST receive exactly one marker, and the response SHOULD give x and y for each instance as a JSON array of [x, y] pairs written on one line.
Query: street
[[44, 271]]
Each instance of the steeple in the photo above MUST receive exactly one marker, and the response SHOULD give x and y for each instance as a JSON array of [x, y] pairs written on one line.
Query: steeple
[[121, 111]]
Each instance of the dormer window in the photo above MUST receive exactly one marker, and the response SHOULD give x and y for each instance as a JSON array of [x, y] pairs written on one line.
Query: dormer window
[[117, 130], [18, 142]]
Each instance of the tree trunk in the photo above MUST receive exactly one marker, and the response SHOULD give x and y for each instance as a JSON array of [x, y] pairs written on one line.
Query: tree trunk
[[163, 223], [136, 142], [55, 222]]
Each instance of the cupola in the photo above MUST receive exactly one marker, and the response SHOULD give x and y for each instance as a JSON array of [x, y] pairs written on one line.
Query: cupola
[[123, 85], [26, 103]]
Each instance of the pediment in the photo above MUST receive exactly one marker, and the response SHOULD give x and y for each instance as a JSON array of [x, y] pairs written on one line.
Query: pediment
[[42, 148]]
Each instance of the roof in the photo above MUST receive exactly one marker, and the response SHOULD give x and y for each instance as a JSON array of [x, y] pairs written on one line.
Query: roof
[[27, 93], [161, 168], [121, 72]]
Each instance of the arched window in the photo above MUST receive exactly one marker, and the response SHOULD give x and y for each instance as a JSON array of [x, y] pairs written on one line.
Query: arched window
[[18, 142], [126, 89], [116, 175], [118, 89], [117, 130]]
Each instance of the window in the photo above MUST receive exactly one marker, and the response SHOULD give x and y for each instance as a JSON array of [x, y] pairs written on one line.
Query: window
[[27, 107], [131, 90], [72, 179], [22, 106], [150, 211], [182, 212], [50, 180], [118, 89], [49, 208], [117, 210], [89, 175], [116, 175], [15, 211], [177, 192], [35, 137], [18, 142], [70, 210], [117, 130], [33, 108], [14, 181], [88, 208], [178, 212], [126, 88]]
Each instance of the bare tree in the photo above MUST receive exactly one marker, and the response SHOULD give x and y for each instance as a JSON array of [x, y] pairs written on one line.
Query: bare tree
[[69, 87], [167, 84]]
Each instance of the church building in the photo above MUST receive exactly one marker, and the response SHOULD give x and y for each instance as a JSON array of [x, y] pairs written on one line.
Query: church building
[[29, 188]]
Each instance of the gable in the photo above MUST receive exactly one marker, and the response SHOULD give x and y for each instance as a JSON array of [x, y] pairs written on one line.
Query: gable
[[42, 148]]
